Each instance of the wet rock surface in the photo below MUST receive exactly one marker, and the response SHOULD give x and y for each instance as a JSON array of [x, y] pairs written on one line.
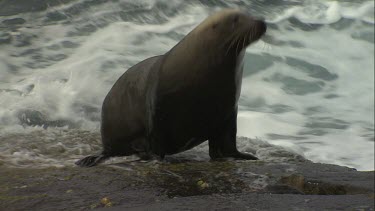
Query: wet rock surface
[[189, 185]]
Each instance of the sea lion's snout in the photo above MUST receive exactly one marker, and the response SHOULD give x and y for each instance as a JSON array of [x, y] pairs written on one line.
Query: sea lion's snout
[[262, 26]]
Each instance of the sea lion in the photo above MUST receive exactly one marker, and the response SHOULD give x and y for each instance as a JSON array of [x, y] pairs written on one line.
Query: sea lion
[[173, 102]]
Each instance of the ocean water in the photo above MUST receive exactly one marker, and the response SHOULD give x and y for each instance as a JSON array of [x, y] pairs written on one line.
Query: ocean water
[[307, 91]]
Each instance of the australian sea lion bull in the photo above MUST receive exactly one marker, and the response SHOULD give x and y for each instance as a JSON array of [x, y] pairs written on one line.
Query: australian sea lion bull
[[170, 103]]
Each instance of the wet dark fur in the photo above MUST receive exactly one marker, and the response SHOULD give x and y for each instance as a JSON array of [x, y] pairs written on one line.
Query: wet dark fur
[[170, 103]]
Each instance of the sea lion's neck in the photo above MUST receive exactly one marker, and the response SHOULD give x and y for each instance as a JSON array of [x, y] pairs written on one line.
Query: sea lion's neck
[[202, 54], [178, 74]]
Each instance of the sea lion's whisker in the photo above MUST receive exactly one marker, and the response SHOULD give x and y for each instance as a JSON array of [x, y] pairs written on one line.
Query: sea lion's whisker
[[228, 48], [229, 39], [232, 41], [226, 42], [252, 32], [244, 41], [248, 34], [238, 40]]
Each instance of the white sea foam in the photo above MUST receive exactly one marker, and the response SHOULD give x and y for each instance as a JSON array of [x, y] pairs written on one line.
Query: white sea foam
[[64, 72], [327, 12], [337, 51]]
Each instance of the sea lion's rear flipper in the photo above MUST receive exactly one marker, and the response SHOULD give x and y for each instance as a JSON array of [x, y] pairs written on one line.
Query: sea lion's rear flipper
[[91, 160]]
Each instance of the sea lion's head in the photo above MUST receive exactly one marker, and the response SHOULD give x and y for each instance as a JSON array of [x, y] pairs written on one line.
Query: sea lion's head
[[231, 30]]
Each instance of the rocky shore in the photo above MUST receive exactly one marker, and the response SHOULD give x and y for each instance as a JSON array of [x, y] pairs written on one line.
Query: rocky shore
[[188, 185]]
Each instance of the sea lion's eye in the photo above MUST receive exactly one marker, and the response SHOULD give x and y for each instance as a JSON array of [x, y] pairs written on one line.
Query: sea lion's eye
[[214, 26]]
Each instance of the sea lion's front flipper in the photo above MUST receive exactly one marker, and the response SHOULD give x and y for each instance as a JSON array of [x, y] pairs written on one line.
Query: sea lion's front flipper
[[91, 160], [223, 144], [218, 151]]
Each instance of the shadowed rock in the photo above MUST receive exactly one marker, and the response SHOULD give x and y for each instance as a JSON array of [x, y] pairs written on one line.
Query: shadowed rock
[[180, 184]]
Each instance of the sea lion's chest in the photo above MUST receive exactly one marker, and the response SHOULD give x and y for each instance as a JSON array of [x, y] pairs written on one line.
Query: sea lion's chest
[[200, 106]]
